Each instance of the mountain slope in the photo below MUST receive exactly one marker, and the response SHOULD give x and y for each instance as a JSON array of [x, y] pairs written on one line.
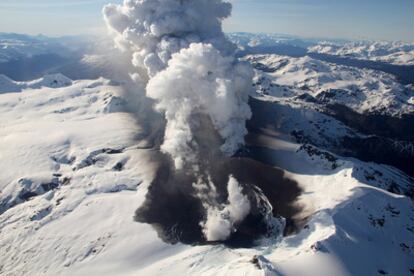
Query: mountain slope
[[77, 168], [397, 53]]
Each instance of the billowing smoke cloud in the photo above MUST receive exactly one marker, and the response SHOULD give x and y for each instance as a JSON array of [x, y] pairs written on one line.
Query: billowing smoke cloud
[[179, 46], [153, 30], [182, 55], [200, 80]]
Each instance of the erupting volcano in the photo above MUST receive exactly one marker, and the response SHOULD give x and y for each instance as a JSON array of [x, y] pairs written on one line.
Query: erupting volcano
[[180, 51]]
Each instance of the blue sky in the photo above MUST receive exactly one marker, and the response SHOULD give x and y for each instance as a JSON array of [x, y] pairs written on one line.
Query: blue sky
[[355, 19]]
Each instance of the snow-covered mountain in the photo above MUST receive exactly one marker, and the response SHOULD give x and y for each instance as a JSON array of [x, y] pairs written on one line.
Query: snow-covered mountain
[[270, 40], [362, 90], [8, 85], [398, 53], [76, 167], [394, 53], [24, 57], [377, 108], [331, 145], [15, 46], [19, 46]]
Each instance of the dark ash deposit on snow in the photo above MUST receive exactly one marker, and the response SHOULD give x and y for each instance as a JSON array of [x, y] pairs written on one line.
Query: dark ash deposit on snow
[[175, 211]]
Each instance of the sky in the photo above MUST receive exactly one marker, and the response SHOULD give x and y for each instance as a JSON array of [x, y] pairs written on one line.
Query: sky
[[352, 19]]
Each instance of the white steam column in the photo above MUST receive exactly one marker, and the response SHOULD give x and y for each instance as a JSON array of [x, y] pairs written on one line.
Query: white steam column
[[189, 68]]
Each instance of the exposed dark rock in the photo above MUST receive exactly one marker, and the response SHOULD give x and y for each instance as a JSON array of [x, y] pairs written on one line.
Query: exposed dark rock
[[41, 214], [30, 189], [94, 157], [118, 167], [396, 128]]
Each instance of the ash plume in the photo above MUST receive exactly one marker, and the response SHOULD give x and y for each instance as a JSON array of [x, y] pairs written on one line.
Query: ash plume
[[189, 69], [199, 80], [181, 53]]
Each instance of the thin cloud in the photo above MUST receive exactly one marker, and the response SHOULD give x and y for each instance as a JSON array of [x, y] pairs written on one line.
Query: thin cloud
[[47, 3]]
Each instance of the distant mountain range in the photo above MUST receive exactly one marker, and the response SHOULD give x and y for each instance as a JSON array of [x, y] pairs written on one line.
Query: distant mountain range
[[24, 57]]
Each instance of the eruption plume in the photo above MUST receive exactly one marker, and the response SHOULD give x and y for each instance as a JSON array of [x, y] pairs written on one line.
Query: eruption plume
[[188, 66], [180, 51]]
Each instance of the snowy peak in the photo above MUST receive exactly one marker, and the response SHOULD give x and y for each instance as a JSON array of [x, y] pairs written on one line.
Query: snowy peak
[[362, 90], [393, 53], [398, 53], [51, 81], [8, 85]]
